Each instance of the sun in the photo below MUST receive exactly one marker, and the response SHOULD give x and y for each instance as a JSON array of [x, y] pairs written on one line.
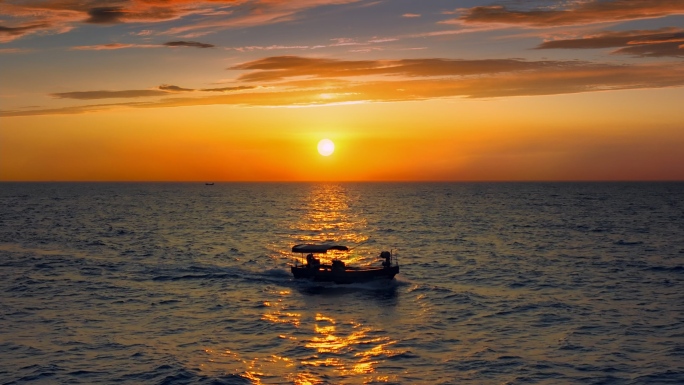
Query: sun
[[326, 147]]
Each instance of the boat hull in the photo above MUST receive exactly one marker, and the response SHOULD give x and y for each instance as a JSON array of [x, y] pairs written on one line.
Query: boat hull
[[348, 275]]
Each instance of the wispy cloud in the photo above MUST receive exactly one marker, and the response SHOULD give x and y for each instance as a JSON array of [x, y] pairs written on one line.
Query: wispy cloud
[[13, 50], [671, 49], [577, 13], [111, 46], [436, 77], [355, 45], [17, 31], [302, 81], [92, 95], [659, 43], [194, 44], [162, 90], [172, 88], [610, 39], [8, 34], [229, 89], [59, 16], [276, 47], [72, 110], [115, 46], [105, 15], [281, 67], [411, 15]]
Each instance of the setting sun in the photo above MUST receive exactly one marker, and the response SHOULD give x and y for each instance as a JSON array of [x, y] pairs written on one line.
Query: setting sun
[[584, 90], [326, 147]]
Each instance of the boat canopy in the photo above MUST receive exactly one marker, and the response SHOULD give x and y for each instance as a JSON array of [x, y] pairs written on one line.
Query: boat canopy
[[307, 248]]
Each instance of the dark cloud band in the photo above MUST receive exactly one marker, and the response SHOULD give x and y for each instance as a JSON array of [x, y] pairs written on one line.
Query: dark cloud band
[[105, 15], [194, 44], [92, 95], [578, 13], [659, 43]]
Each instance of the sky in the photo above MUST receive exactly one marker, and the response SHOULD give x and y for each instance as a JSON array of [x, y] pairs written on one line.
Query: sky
[[408, 90]]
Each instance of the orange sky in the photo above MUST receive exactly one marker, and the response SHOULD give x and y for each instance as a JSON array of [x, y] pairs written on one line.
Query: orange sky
[[243, 90]]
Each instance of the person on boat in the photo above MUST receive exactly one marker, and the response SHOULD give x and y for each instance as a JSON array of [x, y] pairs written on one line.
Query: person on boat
[[388, 259], [311, 262], [338, 266]]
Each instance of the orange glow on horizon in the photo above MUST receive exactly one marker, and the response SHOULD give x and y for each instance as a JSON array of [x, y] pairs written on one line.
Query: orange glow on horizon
[[587, 90], [372, 143]]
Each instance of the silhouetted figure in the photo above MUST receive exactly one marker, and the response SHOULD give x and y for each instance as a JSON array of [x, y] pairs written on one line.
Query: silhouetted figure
[[312, 263], [338, 266], [388, 259]]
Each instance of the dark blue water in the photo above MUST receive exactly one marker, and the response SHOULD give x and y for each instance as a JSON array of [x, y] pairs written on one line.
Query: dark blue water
[[500, 283]]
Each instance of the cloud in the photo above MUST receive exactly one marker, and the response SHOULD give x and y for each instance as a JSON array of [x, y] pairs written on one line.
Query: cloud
[[276, 47], [545, 79], [188, 44], [73, 110], [672, 49], [172, 88], [616, 39], [366, 45], [109, 46], [140, 11], [162, 90], [13, 50], [301, 81], [248, 13], [658, 43], [411, 15], [105, 15], [278, 68], [91, 95], [8, 34], [59, 16], [229, 89], [578, 13], [17, 31], [115, 46], [419, 79]]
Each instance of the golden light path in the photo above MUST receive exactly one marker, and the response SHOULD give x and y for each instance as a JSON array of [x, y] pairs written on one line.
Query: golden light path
[[315, 343]]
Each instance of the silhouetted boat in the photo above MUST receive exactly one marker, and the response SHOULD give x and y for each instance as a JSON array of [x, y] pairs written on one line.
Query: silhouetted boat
[[338, 271], [209, 184]]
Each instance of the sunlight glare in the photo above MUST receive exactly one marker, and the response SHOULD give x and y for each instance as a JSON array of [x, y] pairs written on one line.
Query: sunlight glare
[[326, 147]]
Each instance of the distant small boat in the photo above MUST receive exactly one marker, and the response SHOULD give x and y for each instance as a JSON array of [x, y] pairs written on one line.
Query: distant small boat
[[209, 184], [337, 271]]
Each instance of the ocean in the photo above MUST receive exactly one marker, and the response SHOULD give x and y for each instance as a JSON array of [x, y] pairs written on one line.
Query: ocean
[[186, 283]]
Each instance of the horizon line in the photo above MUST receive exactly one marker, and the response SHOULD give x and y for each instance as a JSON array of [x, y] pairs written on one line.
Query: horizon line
[[353, 181]]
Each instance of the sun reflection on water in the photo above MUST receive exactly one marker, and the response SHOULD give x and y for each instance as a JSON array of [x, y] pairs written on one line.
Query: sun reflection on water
[[333, 348], [277, 312], [326, 340], [282, 317], [315, 345], [348, 348], [328, 217], [305, 379]]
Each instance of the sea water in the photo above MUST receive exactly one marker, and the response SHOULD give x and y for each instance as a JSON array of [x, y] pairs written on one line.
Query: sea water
[[500, 283]]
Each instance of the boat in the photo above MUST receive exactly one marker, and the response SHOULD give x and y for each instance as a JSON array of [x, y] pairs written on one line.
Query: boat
[[209, 184], [337, 271]]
